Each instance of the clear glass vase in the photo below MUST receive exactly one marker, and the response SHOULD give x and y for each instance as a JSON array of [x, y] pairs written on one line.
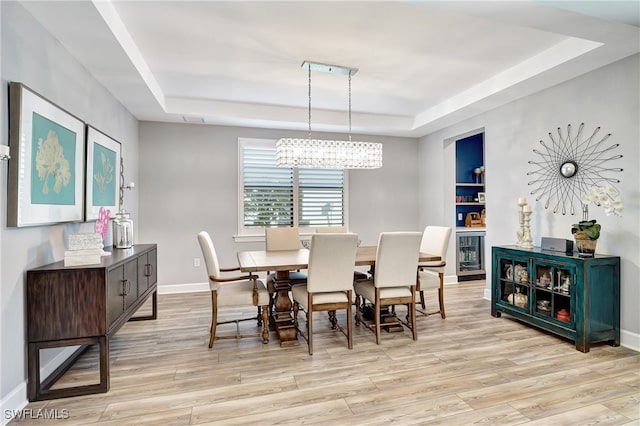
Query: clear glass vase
[[122, 230], [586, 246]]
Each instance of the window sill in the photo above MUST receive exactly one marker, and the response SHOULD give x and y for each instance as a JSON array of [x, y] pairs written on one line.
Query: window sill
[[257, 238]]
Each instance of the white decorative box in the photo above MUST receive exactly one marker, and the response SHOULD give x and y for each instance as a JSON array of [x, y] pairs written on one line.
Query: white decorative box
[[82, 257], [85, 241]]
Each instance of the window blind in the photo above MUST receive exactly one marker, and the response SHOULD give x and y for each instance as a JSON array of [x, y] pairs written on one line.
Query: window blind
[[268, 189], [281, 196], [321, 197]]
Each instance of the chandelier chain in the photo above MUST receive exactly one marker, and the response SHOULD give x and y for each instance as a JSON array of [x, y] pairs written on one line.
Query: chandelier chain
[[309, 101], [349, 106]]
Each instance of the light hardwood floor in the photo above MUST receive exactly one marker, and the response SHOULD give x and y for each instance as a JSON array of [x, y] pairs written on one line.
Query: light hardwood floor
[[470, 368]]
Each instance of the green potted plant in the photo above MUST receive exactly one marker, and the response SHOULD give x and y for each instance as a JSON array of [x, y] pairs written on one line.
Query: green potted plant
[[589, 227]]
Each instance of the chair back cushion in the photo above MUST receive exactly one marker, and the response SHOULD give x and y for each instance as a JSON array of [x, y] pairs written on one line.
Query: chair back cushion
[[331, 230], [209, 254], [278, 239], [397, 259], [331, 260], [435, 240]]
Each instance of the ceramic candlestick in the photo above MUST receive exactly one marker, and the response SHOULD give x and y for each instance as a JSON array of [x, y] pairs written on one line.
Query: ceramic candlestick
[[520, 234], [527, 240]]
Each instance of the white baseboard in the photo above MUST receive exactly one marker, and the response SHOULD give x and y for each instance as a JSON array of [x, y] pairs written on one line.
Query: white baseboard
[[16, 400], [450, 279], [182, 288], [630, 340]]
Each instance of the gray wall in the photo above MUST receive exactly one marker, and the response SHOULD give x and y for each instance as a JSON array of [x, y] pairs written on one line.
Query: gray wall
[[189, 183], [30, 55], [608, 97]]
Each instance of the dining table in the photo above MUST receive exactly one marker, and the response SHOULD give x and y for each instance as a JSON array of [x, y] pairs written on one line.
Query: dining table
[[281, 262]]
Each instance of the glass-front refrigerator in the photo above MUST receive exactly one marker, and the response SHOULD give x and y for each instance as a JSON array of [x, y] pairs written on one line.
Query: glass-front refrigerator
[[470, 262]]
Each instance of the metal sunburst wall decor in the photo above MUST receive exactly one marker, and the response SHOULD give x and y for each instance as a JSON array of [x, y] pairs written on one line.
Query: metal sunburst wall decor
[[569, 165]]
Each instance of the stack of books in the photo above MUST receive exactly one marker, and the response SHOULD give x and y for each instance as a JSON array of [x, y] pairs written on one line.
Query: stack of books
[[84, 249]]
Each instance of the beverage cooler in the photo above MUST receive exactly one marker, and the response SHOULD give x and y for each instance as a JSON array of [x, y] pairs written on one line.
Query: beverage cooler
[[470, 261]]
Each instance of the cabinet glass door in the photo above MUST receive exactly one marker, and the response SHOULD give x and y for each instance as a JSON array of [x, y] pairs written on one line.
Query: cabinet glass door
[[470, 253], [515, 286], [554, 286]]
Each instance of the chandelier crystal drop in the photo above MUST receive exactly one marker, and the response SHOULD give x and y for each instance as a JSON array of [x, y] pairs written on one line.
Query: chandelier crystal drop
[[328, 154]]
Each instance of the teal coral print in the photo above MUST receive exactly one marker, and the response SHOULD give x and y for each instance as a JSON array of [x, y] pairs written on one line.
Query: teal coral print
[[104, 185], [53, 165]]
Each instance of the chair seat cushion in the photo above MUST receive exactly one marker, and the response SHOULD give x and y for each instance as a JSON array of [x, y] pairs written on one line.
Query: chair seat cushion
[[428, 279], [240, 293], [299, 294], [294, 278], [367, 290]]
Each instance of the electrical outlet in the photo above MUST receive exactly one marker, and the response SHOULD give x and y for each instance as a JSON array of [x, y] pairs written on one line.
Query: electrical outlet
[[196, 262], [459, 216]]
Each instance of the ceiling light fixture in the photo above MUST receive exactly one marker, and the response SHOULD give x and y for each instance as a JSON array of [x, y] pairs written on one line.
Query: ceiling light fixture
[[328, 154]]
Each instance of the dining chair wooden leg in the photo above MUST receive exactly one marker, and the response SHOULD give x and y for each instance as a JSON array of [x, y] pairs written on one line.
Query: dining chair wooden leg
[[214, 317], [422, 302], [310, 329], [333, 319], [265, 324], [377, 315], [414, 330], [349, 322], [441, 296], [296, 309], [357, 304]]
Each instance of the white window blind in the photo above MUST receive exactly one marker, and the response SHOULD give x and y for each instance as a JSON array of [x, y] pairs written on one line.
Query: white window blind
[[280, 196], [321, 197], [268, 189]]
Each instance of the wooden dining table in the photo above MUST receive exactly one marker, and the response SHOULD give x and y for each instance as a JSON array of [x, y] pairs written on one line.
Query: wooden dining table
[[281, 263]]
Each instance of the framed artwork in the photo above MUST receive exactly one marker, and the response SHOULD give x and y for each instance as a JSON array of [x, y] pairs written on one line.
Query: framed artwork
[[102, 183], [46, 170], [481, 197]]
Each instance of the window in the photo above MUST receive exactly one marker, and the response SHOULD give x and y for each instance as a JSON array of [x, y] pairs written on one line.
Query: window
[[280, 196]]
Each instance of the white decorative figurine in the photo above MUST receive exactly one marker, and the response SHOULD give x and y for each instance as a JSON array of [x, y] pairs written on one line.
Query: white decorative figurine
[[527, 240], [520, 234]]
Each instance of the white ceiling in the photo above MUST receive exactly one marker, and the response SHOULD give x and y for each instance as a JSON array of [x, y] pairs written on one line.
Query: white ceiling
[[422, 65]]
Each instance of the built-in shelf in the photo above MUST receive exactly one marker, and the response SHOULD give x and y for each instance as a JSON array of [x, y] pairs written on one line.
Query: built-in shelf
[[469, 156], [469, 189], [479, 185]]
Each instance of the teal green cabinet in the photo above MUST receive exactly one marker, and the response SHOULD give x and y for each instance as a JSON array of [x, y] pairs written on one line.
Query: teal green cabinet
[[577, 298]]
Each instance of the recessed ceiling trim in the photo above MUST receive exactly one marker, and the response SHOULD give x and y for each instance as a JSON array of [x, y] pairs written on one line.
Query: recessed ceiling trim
[[562, 52], [117, 27]]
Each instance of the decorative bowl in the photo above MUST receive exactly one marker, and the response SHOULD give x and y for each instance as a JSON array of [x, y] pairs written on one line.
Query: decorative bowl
[[563, 315]]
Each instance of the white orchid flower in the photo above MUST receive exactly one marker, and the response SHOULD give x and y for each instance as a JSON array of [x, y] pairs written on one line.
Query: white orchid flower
[[605, 196]]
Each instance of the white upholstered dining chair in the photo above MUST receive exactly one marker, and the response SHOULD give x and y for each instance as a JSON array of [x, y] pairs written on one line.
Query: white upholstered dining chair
[[232, 291], [357, 274], [329, 283], [435, 240], [394, 278], [280, 239]]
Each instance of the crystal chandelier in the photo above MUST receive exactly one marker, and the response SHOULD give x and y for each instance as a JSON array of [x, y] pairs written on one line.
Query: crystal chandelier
[[328, 154]]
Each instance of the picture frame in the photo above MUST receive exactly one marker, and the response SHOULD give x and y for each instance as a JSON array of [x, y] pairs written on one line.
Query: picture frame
[[481, 197], [46, 170], [102, 184]]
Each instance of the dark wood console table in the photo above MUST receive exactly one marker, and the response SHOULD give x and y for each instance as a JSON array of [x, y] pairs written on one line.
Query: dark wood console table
[[83, 306]]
